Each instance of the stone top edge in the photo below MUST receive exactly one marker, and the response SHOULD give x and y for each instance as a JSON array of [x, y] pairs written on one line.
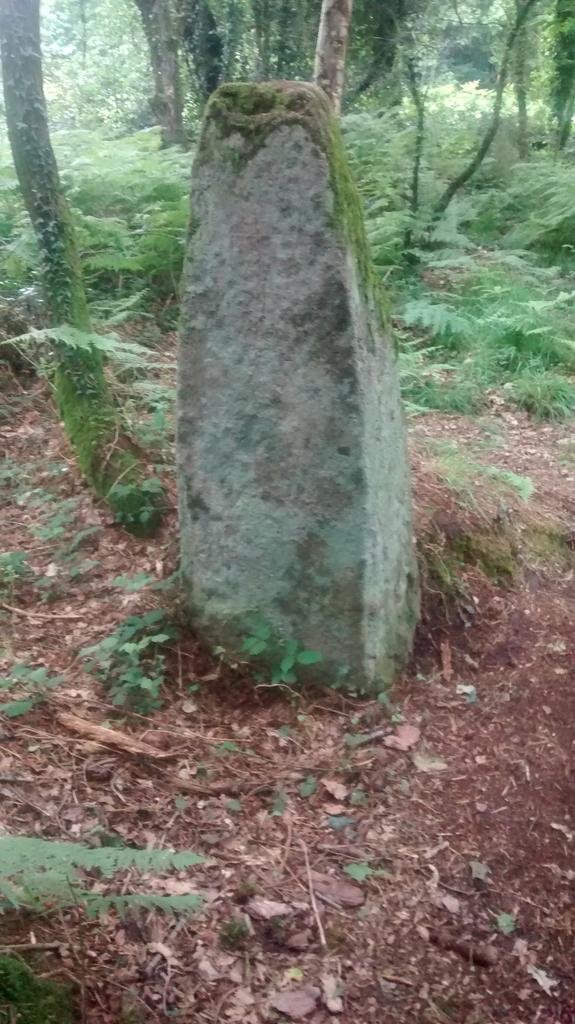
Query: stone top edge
[[266, 104]]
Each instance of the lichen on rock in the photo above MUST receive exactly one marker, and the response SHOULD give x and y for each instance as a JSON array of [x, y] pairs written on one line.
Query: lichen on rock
[[294, 485]]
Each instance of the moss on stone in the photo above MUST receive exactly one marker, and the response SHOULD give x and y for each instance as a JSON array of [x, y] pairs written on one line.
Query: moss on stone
[[255, 110], [30, 1000]]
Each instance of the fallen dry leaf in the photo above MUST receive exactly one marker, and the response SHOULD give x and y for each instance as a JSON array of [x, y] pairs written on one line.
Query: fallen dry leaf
[[404, 738], [165, 951], [451, 903], [544, 980], [446, 666], [429, 763], [297, 1002], [334, 890], [336, 789], [265, 910], [332, 993], [299, 940]]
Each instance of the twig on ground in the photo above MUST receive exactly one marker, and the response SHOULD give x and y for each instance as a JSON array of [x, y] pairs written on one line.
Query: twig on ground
[[21, 947], [40, 615], [313, 901]]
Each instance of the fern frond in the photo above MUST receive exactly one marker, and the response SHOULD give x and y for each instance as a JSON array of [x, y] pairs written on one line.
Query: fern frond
[[45, 874]]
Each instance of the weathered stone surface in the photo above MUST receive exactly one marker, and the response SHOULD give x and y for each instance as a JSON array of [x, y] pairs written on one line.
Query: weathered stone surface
[[294, 488]]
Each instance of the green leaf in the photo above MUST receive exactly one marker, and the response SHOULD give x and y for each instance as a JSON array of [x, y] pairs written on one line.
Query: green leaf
[[356, 739], [228, 747], [506, 923], [359, 870], [279, 804], [287, 663], [309, 657], [263, 632], [133, 583], [254, 646], [234, 805], [339, 821], [307, 787], [16, 708]]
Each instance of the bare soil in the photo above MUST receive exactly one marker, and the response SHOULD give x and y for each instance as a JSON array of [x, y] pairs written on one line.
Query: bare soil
[[475, 819]]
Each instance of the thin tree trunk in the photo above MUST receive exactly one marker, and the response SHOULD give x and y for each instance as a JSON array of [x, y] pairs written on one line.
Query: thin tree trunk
[[204, 45], [485, 145], [418, 102], [520, 81], [262, 26], [163, 44], [86, 407], [329, 71], [563, 77]]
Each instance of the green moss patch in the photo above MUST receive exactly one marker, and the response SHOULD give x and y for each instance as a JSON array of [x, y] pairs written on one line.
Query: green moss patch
[[30, 1000], [254, 111], [495, 552]]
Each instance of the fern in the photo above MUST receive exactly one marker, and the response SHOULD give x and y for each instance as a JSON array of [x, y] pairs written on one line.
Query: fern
[[436, 317], [42, 874]]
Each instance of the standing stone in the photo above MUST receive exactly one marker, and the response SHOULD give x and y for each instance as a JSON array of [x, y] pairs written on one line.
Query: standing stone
[[294, 482]]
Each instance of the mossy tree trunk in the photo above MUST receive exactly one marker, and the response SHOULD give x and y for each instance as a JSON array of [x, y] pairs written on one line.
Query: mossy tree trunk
[[563, 77], [86, 407], [203, 44], [329, 71], [159, 22]]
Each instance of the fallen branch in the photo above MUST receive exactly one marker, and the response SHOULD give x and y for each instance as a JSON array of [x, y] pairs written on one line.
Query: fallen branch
[[231, 787], [41, 615], [110, 737], [481, 954]]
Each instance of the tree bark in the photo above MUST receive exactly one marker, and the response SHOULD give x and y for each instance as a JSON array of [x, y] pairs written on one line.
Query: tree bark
[[163, 44], [563, 78], [329, 71], [85, 405], [521, 81], [419, 104], [262, 27], [485, 145], [203, 44]]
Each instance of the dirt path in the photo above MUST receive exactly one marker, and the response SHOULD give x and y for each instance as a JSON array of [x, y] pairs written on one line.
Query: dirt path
[[457, 905]]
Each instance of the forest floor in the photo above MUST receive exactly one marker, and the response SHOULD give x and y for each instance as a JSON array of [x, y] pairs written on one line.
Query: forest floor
[[453, 812]]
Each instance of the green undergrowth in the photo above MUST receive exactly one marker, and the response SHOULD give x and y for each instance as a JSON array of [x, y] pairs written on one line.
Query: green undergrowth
[[26, 999], [481, 523]]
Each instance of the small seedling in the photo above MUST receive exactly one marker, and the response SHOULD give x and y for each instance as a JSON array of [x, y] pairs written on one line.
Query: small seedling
[[234, 934], [33, 685], [285, 657]]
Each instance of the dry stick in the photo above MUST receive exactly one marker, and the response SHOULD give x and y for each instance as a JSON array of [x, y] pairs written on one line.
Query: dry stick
[[25, 946], [109, 737], [313, 901], [41, 615]]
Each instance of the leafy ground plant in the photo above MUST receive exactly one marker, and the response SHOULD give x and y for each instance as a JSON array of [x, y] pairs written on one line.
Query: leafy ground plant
[[33, 686], [131, 662], [285, 657]]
